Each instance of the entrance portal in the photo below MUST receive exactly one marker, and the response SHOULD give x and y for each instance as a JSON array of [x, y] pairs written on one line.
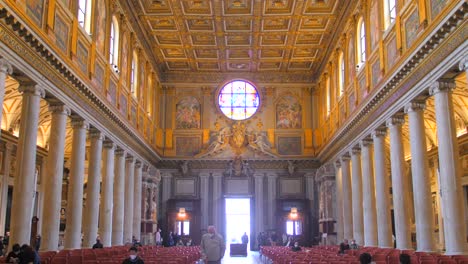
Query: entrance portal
[[237, 223]]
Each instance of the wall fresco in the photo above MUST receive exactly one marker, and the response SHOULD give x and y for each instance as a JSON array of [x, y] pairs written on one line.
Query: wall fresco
[[289, 146], [412, 28], [288, 113], [187, 146], [188, 113], [61, 33], [35, 10], [100, 27]]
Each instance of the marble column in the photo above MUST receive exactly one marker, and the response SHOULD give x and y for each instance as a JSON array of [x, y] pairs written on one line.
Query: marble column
[[25, 174], [339, 203], [5, 69], [128, 206], [424, 214], [368, 191], [271, 200], [7, 155], [91, 213], [347, 198], [312, 204], [75, 185], [217, 199], [449, 170], [382, 190], [166, 192], [118, 211], [137, 200], [107, 191], [356, 186], [259, 223], [53, 180], [204, 196], [399, 184]]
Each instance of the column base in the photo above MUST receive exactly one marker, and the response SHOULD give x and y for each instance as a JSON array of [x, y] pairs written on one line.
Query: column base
[[456, 253]]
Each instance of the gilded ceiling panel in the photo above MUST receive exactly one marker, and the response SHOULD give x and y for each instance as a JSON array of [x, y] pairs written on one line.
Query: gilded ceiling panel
[[237, 7], [197, 7]]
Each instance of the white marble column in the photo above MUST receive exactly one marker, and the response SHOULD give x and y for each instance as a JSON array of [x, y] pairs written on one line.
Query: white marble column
[[137, 200], [53, 180], [347, 198], [449, 170], [7, 155], [91, 211], [259, 223], [204, 196], [271, 200], [129, 189], [356, 186], [75, 185], [424, 214], [399, 184], [166, 192], [368, 191], [382, 190], [217, 199], [107, 191], [339, 203], [5, 69], [311, 204], [118, 211], [25, 180]]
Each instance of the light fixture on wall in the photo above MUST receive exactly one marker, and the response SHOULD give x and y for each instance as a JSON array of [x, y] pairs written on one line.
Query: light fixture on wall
[[181, 212], [293, 213]]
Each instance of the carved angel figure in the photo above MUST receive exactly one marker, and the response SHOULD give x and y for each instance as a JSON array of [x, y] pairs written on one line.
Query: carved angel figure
[[218, 141]]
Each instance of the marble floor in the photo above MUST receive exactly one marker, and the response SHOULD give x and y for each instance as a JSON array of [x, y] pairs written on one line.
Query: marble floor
[[252, 258]]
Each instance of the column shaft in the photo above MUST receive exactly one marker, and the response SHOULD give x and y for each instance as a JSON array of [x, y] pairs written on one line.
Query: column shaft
[[382, 191], [259, 224], [217, 199], [424, 214], [339, 203], [271, 179], [119, 203], [137, 201], [399, 186], [5, 69], [368, 190], [107, 190], [129, 189], [347, 199], [90, 223], [449, 170], [356, 186], [204, 193], [25, 180], [53, 180], [7, 155]]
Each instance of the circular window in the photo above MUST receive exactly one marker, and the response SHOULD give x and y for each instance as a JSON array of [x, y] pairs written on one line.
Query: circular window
[[238, 100]]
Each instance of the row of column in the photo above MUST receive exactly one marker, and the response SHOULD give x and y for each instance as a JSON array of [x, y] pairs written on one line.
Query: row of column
[[120, 182], [364, 210]]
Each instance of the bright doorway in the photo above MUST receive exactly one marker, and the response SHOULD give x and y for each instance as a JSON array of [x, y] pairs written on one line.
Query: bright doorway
[[237, 219]]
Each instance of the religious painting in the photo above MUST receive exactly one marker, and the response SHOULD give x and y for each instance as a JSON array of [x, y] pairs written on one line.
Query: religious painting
[[100, 27], [124, 60], [99, 76], [412, 28], [112, 92], [437, 6], [188, 113], [124, 105], [375, 25], [61, 33], [35, 10], [289, 146], [342, 112], [351, 101], [141, 121], [351, 59], [376, 73], [288, 112], [362, 87], [82, 56], [133, 114], [187, 146], [392, 52]]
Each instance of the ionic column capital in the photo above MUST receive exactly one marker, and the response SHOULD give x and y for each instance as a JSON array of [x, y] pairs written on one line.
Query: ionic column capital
[[355, 151], [5, 66], [204, 175], [31, 88], [345, 158], [443, 85], [108, 144], [166, 175], [337, 164], [415, 106], [463, 65], [129, 158], [78, 122], [258, 176], [366, 143], [59, 108], [217, 175], [396, 120], [272, 176], [120, 152], [138, 164], [381, 132], [95, 134]]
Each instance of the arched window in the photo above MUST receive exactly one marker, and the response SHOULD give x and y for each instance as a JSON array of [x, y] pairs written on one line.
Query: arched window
[[114, 44], [84, 14], [361, 41], [389, 12], [328, 92], [134, 74], [341, 74]]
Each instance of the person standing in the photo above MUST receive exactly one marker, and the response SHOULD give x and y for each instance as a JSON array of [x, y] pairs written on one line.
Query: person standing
[[245, 238], [157, 238], [213, 246]]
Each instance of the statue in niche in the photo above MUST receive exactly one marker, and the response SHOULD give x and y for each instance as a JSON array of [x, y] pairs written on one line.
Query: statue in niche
[[230, 169], [291, 167], [184, 167], [147, 203], [154, 204], [238, 167], [246, 169]]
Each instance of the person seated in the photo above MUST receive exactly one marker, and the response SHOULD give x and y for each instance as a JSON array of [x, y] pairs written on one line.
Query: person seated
[[180, 243], [13, 256], [98, 244], [296, 247], [28, 255], [189, 243], [344, 246], [365, 258], [353, 245], [405, 259], [133, 257]]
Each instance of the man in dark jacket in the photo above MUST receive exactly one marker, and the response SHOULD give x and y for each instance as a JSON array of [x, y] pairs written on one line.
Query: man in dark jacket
[[133, 257]]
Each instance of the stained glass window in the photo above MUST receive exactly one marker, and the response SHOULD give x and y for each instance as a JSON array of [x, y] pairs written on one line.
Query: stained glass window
[[238, 100]]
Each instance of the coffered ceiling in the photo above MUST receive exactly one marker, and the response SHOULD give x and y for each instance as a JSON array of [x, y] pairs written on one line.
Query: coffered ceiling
[[239, 36]]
